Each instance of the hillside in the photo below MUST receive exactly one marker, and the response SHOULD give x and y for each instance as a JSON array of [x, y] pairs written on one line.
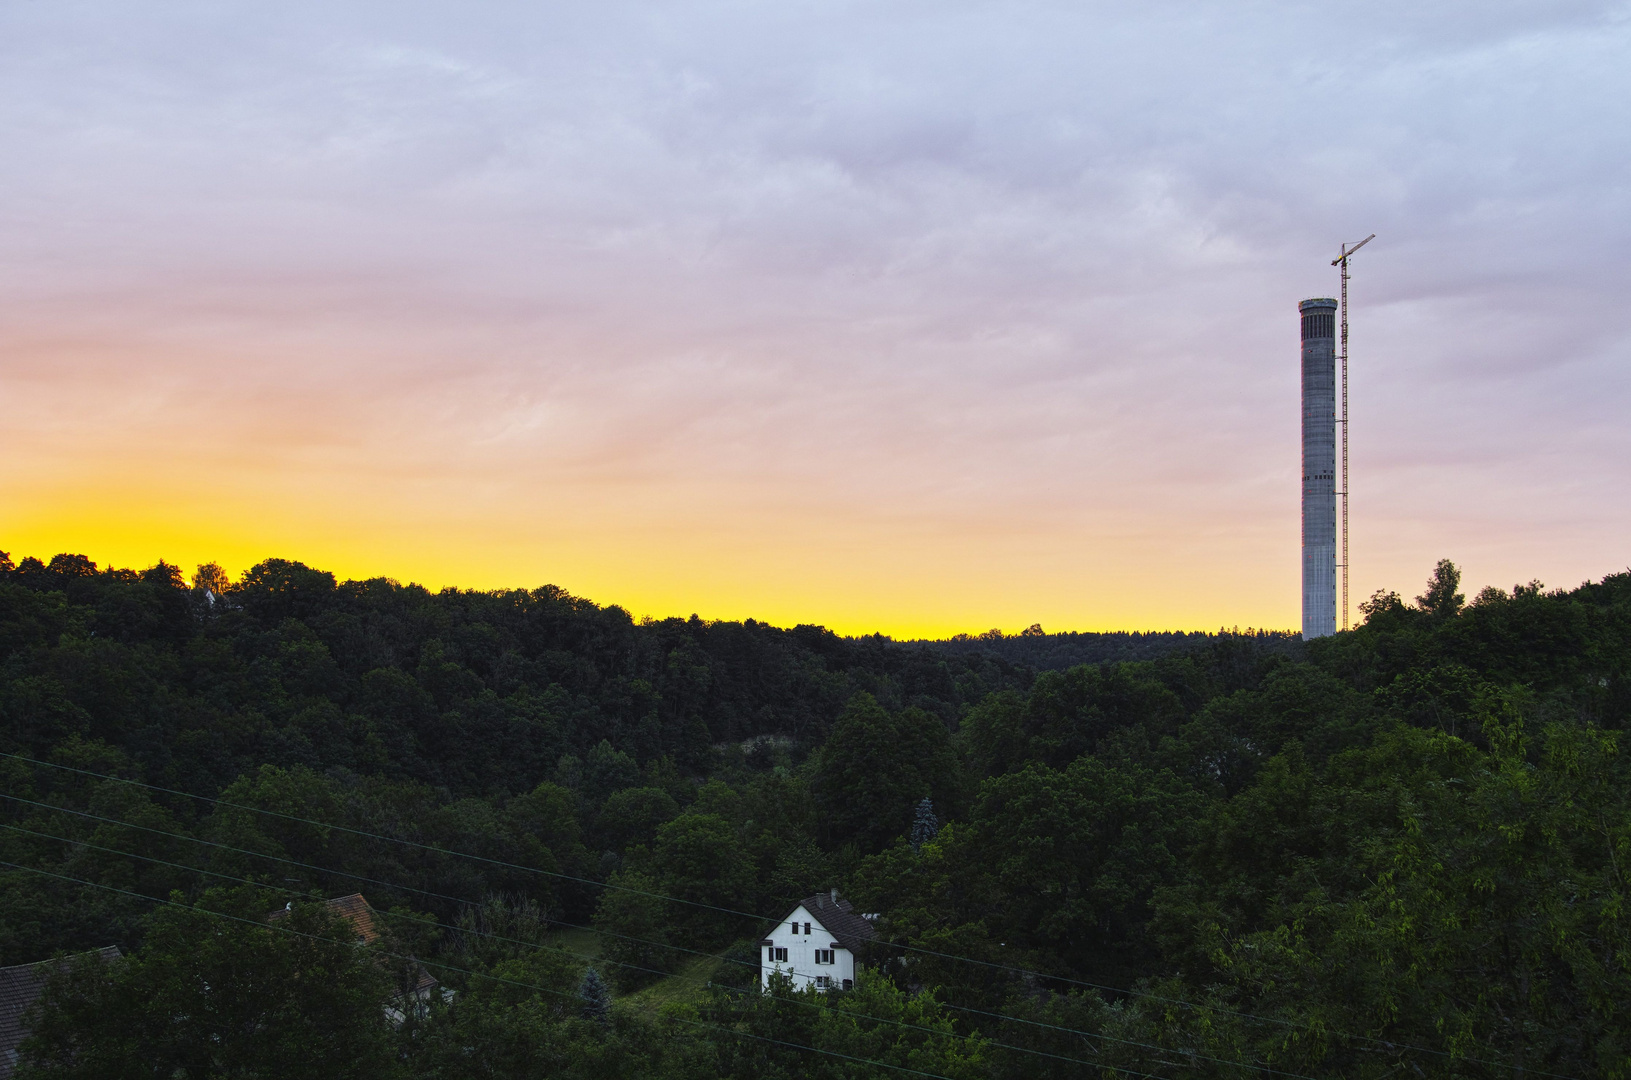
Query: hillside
[[1398, 849]]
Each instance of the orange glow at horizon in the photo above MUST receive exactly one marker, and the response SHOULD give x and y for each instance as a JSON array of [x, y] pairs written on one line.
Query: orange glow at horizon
[[891, 581], [872, 317], [129, 452]]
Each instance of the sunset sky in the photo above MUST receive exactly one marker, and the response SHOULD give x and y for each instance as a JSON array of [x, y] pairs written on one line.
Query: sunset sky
[[910, 317]]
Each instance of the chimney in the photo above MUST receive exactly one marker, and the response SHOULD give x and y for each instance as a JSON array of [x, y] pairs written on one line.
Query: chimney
[[835, 898]]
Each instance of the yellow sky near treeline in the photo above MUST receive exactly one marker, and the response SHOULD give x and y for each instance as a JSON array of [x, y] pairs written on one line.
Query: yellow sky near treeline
[[855, 577], [832, 504], [884, 537], [925, 327]]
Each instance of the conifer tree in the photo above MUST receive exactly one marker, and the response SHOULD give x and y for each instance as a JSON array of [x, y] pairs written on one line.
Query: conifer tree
[[924, 824], [597, 999]]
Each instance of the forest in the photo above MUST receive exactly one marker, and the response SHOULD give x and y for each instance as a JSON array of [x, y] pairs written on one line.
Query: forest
[[1395, 852]]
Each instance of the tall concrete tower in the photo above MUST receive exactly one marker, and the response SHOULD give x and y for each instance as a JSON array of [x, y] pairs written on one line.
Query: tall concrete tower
[[1319, 468]]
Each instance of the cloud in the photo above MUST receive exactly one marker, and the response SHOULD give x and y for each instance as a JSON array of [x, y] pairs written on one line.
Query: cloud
[[1019, 270]]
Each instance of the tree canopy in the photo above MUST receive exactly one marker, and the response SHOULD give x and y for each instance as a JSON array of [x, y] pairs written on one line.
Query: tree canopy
[[1398, 850]]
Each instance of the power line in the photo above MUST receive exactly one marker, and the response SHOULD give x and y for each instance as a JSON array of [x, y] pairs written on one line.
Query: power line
[[703, 983], [482, 975], [645, 941], [707, 984], [731, 911]]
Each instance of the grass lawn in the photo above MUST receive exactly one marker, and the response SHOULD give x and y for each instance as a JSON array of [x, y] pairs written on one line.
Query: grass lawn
[[686, 982], [581, 943]]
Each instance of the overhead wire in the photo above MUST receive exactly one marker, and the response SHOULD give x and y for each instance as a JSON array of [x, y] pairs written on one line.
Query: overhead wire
[[704, 983], [394, 886], [732, 911], [729, 911], [483, 975]]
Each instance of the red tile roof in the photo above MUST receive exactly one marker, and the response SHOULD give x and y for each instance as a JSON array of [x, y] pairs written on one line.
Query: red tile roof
[[360, 914]]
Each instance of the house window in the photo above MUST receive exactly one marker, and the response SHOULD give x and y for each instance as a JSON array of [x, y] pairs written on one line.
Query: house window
[[824, 956], [823, 981], [849, 984], [806, 929], [793, 928], [778, 956]]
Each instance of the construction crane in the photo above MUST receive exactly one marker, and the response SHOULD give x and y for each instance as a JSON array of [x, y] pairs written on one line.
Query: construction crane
[[1342, 261]]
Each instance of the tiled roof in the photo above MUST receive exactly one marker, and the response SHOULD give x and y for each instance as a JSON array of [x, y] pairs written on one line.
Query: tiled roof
[[840, 920], [19, 986], [360, 914], [354, 910]]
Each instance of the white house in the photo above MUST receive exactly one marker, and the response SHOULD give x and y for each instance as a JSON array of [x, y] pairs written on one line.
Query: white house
[[816, 944]]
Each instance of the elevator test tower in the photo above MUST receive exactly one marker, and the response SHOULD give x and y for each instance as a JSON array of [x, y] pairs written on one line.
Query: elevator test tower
[[1319, 467], [1320, 475]]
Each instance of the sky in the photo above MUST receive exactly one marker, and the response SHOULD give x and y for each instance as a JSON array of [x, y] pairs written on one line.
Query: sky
[[906, 317]]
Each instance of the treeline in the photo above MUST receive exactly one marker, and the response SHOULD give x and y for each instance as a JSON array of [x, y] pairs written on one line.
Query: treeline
[[1038, 650], [1395, 850]]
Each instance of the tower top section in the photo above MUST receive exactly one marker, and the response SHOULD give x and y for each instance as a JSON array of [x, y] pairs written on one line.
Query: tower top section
[[1319, 303]]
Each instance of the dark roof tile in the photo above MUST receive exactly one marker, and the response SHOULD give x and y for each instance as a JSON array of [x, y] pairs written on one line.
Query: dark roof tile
[[19, 987], [840, 920]]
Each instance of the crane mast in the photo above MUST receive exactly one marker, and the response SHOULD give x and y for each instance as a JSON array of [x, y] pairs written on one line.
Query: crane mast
[[1342, 261]]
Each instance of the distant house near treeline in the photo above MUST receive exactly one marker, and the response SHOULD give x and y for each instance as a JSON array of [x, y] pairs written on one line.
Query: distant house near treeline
[[361, 917], [20, 987], [816, 944]]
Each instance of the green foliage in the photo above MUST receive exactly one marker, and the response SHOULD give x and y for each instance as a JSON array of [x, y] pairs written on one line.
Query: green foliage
[[872, 1031], [638, 925], [876, 766], [697, 858], [1441, 600], [631, 816], [1396, 850], [207, 996]]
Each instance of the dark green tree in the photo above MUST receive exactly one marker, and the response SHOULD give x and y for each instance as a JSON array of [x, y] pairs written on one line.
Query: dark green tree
[[631, 816], [699, 860], [638, 927], [875, 767], [207, 995], [1442, 598]]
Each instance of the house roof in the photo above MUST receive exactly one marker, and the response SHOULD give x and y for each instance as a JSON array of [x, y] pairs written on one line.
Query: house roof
[[839, 919], [19, 987], [354, 910], [360, 915]]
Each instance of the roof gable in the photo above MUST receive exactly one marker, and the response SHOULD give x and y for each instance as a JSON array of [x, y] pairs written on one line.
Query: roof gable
[[834, 917]]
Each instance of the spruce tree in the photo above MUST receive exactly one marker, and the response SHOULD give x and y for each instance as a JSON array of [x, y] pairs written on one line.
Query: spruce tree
[[924, 824], [597, 999]]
